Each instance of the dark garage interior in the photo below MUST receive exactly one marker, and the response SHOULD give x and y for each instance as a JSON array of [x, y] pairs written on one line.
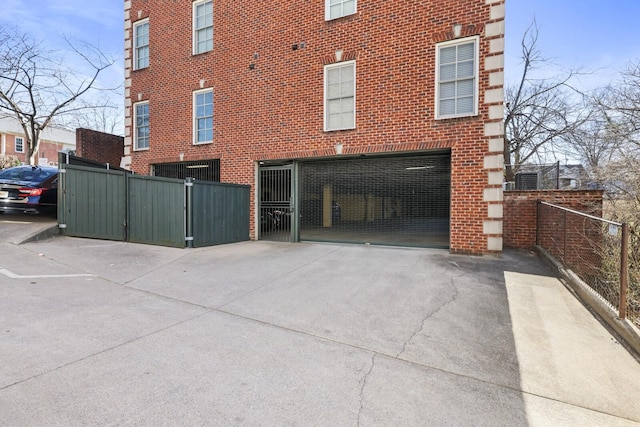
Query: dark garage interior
[[377, 200]]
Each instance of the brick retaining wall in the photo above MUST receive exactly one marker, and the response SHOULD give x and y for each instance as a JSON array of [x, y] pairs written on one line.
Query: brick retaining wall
[[520, 211]]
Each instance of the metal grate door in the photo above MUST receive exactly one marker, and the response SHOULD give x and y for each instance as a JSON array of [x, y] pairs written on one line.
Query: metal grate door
[[397, 200], [276, 203]]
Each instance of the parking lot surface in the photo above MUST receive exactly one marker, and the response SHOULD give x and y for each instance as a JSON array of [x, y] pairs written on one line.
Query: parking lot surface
[[259, 333], [18, 228]]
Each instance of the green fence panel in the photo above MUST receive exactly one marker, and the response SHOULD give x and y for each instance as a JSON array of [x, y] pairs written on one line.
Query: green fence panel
[[156, 210], [116, 205], [220, 213], [92, 203]]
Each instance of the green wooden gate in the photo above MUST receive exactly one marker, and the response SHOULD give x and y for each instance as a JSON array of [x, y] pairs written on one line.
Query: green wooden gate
[[116, 205], [156, 210], [92, 202], [219, 213]]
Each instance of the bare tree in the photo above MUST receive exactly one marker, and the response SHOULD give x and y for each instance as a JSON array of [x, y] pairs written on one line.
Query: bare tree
[[624, 107], [538, 111], [100, 115], [609, 142], [598, 139], [39, 86]]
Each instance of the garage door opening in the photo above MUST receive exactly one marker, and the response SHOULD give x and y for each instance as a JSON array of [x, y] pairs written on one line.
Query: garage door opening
[[401, 201], [275, 189], [202, 170]]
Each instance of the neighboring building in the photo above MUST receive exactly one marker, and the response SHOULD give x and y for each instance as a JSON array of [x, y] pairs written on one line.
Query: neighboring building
[[363, 121], [14, 143], [573, 177], [99, 147], [551, 177]]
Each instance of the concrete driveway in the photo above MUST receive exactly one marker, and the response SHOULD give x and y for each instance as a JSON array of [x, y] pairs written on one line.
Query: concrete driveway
[[272, 334], [16, 228]]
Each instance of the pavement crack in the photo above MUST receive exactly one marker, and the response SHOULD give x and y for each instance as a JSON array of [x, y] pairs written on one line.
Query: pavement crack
[[363, 383], [421, 328], [105, 350]]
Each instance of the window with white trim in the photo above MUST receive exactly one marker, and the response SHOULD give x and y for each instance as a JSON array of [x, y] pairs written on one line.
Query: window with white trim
[[457, 78], [340, 96], [141, 126], [338, 8], [141, 44], [202, 26], [19, 144], [203, 116]]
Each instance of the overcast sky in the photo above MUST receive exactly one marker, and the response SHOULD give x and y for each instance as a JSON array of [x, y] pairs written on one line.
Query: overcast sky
[[595, 35]]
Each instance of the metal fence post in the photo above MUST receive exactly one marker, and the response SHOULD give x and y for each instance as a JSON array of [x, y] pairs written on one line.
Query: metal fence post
[[188, 183], [62, 197], [624, 271], [564, 249], [127, 213], [538, 204]]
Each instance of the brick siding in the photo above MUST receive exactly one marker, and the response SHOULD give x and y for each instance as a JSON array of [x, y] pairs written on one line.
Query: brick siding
[[48, 150], [99, 146], [266, 71], [520, 211]]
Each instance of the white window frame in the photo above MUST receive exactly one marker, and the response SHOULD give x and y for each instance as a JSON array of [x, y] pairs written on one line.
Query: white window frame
[[136, 144], [476, 75], [136, 47], [326, 99], [21, 139], [196, 117], [194, 33], [327, 9]]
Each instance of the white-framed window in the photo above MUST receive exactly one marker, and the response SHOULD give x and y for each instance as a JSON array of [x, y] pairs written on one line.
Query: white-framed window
[[141, 126], [202, 26], [19, 144], [457, 78], [203, 116], [141, 44], [339, 8], [340, 96]]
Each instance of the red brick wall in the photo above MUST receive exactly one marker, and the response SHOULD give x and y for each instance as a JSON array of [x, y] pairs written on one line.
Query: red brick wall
[[10, 147], [520, 211], [274, 109], [99, 146], [48, 150]]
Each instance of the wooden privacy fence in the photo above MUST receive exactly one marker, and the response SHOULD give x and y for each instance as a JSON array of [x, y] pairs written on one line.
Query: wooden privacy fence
[[118, 205]]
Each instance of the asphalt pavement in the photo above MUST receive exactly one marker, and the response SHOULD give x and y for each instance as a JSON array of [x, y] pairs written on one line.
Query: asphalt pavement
[[273, 334]]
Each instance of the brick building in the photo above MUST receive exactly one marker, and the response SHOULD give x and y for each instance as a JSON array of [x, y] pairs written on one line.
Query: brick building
[[363, 121], [99, 146], [13, 142]]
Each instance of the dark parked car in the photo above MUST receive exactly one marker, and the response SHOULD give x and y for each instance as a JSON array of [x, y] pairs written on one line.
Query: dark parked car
[[29, 189]]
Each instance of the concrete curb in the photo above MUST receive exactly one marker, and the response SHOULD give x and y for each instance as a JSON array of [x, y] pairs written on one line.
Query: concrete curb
[[40, 235], [624, 328]]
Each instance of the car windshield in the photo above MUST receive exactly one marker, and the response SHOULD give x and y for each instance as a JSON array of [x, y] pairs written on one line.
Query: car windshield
[[27, 174]]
